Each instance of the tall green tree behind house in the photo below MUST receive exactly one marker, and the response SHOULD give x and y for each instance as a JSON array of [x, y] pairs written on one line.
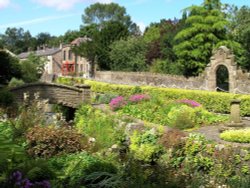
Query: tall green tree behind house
[[32, 68], [100, 14], [205, 29]]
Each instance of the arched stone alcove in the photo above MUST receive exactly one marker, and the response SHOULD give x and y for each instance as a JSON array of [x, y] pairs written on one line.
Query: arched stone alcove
[[221, 57]]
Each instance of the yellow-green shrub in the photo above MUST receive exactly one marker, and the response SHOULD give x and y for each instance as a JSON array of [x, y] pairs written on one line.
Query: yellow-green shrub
[[241, 135]]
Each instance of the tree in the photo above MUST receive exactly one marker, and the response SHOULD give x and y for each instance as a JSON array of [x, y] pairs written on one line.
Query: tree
[[128, 55], [97, 49], [10, 67], [17, 40], [100, 14], [205, 29], [241, 33], [32, 68]]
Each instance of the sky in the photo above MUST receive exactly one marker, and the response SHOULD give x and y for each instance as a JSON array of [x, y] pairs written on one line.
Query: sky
[[58, 16]]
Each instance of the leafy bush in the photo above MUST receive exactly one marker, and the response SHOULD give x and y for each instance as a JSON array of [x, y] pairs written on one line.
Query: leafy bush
[[144, 146], [27, 117], [242, 135], [173, 138], [74, 168], [50, 141], [11, 152], [14, 82], [105, 98], [6, 98], [95, 123]]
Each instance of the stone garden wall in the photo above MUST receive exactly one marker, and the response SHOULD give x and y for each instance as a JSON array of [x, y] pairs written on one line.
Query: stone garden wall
[[239, 81]]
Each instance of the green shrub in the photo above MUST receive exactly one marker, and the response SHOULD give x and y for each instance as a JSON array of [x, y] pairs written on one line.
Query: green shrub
[[36, 170], [95, 123], [50, 141], [242, 135], [14, 82], [74, 168], [105, 98], [144, 146], [6, 98]]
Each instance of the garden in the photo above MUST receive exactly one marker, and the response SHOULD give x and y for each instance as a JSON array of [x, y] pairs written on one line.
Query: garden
[[129, 137]]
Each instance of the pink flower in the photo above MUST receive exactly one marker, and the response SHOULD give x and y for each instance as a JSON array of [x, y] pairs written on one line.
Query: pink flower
[[138, 97], [190, 103], [117, 103]]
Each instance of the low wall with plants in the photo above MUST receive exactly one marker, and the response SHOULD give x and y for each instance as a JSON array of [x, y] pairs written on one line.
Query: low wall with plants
[[212, 101]]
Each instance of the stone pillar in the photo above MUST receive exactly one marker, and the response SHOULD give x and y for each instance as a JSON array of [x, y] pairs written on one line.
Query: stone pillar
[[86, 92], [235, 111]]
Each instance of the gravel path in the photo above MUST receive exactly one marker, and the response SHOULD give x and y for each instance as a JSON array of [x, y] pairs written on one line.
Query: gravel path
[[213, 133]]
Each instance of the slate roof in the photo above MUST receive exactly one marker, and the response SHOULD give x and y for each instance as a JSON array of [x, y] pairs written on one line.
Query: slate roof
[[45, 52]]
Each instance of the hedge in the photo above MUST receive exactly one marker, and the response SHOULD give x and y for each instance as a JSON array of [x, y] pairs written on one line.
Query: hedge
[[213, 101]]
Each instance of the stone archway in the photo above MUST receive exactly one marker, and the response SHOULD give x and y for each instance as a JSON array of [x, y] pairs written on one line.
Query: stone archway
[[222, 79], [221, 57]]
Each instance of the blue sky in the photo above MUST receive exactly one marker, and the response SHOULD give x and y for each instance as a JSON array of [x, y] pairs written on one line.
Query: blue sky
[[58, 16]]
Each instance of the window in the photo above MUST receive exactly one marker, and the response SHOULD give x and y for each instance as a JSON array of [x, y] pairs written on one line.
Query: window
[[70, 55], [64, 55]]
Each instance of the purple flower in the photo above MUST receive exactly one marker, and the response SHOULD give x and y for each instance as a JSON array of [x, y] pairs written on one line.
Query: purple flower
[[43, 184], [26, 183], [17, 176], [138, 97], [190, 103], [117, 103]]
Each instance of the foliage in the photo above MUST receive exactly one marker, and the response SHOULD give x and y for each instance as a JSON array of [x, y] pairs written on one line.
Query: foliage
[[74, 168], [173, 138], [144, 147], [165, 67], [32, 68], [6, 98], [69, 80], [14, 82], [241, 135], [10, 67], [100, 14], [240, 32], [17, 40], [11, 152], [205, 29], [128, 54], [96, 124], [97, 49], [25, 118], [51, 141], [190, 103], [105, 98]]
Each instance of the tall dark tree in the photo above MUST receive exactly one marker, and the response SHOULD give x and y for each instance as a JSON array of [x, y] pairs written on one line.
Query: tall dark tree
[[10, 67]]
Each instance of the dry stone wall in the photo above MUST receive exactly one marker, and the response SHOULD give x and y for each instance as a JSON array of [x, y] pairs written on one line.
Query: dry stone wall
[[239, 81]]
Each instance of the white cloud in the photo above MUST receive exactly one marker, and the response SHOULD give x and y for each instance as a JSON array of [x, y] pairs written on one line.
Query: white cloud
[[36, 21], [65, 4], [4, 3]]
